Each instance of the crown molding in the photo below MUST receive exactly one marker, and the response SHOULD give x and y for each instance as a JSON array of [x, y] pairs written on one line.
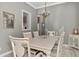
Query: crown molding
[[31, 5], [53, 4]]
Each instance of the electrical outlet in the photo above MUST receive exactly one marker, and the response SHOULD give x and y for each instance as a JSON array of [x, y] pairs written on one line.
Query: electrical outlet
[[0, 49]]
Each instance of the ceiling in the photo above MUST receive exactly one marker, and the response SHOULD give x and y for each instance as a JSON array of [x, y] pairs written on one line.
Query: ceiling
[[38, 5]]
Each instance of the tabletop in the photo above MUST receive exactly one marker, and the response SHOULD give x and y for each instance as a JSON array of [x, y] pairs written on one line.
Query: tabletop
[[43, 42]]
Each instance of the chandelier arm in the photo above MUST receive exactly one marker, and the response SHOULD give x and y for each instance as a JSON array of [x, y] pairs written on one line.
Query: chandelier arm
[[45, 6]]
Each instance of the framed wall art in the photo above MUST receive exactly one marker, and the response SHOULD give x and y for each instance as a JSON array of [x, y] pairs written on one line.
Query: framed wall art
[[8, 19]]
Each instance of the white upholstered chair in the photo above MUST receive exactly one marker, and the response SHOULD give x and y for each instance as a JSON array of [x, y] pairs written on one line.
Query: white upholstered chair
[[51, 33], [28, 35], [60, 44], [57, 50], [61, 30], [36, 33], [18, 49]]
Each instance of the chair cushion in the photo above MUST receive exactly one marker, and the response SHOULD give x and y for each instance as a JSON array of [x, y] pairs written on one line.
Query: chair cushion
[[19, 50]]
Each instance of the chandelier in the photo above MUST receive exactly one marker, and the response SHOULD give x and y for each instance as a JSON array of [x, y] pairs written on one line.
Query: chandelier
[[45, 12]]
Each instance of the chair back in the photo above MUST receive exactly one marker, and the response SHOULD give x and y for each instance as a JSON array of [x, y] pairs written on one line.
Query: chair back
[[51, 33], [17, 46], [27, 35], [61, 30], [60, 44], [36, 34]]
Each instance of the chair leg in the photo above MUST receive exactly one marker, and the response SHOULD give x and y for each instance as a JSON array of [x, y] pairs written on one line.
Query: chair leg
[[25, 52]]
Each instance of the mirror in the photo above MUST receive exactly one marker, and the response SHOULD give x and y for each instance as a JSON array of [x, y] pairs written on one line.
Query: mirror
[[25, 16], [26, 20]]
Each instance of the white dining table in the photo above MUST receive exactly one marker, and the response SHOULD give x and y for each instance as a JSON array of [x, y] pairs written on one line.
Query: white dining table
[[43, 43]]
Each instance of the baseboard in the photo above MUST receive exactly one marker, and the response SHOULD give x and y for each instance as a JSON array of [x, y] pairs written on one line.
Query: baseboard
[[6, 53]]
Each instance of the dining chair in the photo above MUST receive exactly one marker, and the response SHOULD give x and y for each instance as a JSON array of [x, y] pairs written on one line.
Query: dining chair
[[60, 44], [57, 49], [36, 34], [51, 33], [17, 46], [28, 35], [21, 48], [61, 30]]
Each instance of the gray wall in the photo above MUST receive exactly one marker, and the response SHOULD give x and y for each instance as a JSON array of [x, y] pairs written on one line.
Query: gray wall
[[77, 9], [15, 8], [62, 15]]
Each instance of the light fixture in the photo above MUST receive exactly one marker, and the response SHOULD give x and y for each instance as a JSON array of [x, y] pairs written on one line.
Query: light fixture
[[42, 28], [45, 12]]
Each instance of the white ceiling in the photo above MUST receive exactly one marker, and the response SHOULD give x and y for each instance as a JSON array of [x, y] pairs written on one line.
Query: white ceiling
[[38, 5]]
